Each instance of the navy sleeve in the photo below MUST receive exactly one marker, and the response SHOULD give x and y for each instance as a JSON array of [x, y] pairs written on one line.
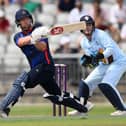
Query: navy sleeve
[[16, 37]]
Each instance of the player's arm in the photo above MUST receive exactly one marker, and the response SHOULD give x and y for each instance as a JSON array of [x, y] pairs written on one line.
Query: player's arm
[[24, 41], [21, 41], [41, 46], [106, 55], [106, 42], [36, 35], [27, 40]]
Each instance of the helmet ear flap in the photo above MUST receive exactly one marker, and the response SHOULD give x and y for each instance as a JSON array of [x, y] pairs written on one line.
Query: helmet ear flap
[[31, 19], [17, 23], [81, 31]]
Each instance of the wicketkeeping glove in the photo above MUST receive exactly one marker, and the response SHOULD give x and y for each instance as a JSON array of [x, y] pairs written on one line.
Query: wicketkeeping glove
[[85, 60], [96, 59], [99, 56]]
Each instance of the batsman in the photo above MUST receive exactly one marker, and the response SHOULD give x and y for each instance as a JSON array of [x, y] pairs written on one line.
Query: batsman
[[34, 45], [109, 62]]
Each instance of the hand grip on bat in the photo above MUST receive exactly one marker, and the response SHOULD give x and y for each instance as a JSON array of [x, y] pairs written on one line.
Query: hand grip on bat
[[39, 32]]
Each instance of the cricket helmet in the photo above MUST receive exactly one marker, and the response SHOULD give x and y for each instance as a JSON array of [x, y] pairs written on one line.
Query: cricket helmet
[[20, 14]]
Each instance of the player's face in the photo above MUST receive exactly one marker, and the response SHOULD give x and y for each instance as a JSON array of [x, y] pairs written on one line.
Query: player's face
[[88, 30], [25, 23]]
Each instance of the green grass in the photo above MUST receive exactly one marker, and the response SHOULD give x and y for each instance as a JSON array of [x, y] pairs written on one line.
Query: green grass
[[41, 115]]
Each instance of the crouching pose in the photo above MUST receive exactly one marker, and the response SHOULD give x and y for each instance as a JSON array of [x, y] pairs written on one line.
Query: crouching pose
[[110, 64], [33, 43]]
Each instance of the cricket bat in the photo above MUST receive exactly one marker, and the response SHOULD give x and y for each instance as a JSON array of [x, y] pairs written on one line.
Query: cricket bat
[[66, 28]]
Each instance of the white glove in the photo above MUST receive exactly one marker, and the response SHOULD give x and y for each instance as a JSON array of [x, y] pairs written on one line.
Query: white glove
[[39, 32]]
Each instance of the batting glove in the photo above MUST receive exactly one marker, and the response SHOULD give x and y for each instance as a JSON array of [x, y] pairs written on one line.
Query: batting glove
[[38, 33]]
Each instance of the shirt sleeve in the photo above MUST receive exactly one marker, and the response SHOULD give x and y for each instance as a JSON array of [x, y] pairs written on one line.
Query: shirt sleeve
[[16, 38], [84, 48], [107, 43]]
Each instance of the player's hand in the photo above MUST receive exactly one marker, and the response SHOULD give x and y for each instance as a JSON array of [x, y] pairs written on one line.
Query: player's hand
[[96, 59], [99, 56], [39, 32], [85, 60]]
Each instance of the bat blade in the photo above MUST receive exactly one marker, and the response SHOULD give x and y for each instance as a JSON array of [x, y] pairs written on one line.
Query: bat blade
[[66, 28]]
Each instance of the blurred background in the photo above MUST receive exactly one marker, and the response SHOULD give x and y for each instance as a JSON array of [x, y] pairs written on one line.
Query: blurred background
[[109, 15]]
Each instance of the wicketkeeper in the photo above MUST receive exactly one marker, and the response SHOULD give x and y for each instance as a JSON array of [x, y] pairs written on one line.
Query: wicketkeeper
[[109, 62]]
